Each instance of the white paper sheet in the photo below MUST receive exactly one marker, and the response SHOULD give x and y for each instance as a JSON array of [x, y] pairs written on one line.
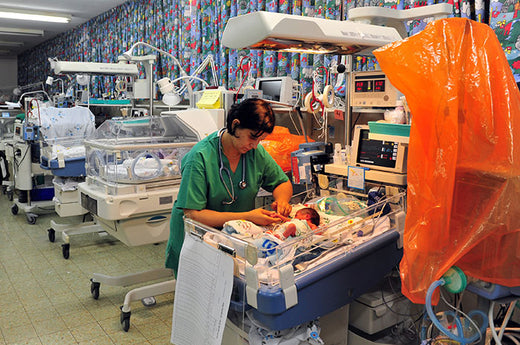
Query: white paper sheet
[[356, 177], [202, 294]]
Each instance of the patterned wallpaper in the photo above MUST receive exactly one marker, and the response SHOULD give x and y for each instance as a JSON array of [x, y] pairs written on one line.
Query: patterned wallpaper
[[191, 29]]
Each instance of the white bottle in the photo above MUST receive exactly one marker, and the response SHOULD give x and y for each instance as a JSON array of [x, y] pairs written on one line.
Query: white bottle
[[337, 153], [345, 155]]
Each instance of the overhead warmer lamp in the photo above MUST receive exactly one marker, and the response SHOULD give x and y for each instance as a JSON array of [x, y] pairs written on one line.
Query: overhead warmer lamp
[[292, 33], [166, 85]]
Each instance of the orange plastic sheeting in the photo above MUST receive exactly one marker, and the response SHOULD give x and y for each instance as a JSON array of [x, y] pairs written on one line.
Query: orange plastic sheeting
[[463, 160], [280, 144]]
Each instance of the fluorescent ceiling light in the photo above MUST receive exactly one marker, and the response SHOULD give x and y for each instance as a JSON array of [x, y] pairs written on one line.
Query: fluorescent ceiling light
[[11, 44], [9, 13], [20, 32]]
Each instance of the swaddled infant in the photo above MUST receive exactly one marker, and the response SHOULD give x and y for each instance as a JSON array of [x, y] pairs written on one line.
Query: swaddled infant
[[267, 239], [305, 220]]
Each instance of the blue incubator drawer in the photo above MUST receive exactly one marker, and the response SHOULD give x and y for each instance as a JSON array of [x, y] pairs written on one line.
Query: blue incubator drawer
[[71, 167], [305, 277]]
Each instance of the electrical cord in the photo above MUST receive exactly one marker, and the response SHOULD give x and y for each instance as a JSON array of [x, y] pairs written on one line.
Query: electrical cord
[[294, 123], [390, 308], [241, 69], [512, 338], [506, 319], [498, 337], [181, 90], [18, 163], [445, 341]]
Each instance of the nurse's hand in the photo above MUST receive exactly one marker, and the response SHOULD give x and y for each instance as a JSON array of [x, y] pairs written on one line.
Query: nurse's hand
[[261, 216], [282, 207]]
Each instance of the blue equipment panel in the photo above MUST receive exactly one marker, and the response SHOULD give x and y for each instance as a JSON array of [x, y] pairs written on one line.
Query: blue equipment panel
[[492, 291]]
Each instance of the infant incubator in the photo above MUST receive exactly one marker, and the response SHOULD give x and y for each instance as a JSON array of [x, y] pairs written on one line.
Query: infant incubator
[[133, 175], [282, 284]]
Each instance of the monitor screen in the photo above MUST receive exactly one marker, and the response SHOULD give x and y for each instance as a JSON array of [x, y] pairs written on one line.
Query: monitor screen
[[271, 89], [377, 154]]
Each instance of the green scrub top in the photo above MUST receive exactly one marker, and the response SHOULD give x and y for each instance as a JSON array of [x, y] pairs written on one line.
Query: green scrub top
[[202, 188]]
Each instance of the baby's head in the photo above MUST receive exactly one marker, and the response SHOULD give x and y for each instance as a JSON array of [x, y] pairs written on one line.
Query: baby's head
[[308, 214]]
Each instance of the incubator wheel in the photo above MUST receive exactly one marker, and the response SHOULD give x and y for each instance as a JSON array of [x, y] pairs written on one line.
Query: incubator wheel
[[125, 320], [65, 250], [94, 289], [31, 219], [52, 234], [14, 209]]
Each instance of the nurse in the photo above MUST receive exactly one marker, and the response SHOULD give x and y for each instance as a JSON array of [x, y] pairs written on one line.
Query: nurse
[[221, 176]]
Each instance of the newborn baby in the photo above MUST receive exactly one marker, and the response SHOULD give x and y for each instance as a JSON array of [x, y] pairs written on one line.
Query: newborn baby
[[304, 221]]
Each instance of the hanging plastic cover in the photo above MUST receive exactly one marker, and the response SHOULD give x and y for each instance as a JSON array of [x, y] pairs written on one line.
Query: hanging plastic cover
[[464, 154], [280, 144]]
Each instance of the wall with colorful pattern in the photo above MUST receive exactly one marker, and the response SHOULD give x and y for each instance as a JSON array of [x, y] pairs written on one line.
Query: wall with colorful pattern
[[191, 30]]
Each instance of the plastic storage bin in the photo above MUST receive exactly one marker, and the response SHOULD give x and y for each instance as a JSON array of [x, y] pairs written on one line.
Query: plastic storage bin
[[41, 194], [371, 312]]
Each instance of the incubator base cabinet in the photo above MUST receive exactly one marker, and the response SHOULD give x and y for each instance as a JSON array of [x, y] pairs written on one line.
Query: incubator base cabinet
[[304, 278], [137, 231], [67, 197]]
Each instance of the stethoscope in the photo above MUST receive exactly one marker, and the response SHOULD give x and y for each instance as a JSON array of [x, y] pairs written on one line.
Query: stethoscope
[[242, 184]]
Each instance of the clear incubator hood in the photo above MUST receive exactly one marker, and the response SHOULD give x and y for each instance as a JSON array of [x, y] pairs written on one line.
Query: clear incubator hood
[[141, 130], [145, 149]]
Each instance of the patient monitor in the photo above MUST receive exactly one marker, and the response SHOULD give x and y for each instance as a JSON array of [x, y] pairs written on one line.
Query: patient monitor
[[385, 160]]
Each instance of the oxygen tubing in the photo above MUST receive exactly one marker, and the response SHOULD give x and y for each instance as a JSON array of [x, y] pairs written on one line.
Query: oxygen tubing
[[460, 338]]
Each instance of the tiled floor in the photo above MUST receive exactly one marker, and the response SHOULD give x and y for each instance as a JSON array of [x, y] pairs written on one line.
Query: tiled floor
[[45, 299]]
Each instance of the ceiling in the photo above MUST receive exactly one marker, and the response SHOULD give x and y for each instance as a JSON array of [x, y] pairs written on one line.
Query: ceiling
[[80, 10]]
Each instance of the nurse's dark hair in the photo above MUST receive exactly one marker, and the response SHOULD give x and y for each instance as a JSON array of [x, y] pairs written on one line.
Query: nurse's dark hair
[[254, 114]]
